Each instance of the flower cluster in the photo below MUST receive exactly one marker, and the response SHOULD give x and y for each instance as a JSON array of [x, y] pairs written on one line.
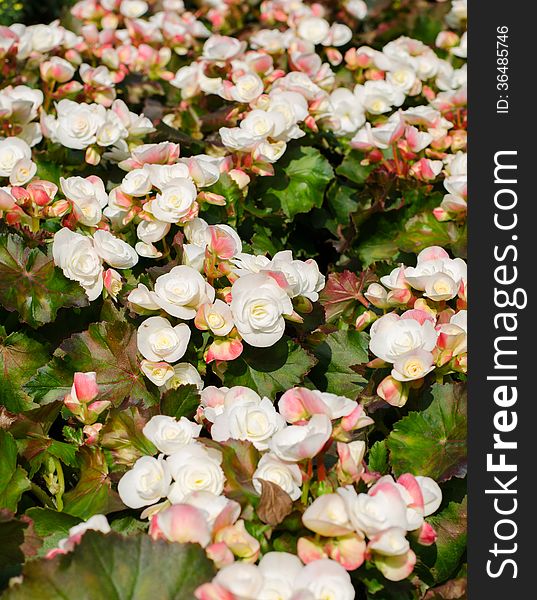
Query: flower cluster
[[428, 334]]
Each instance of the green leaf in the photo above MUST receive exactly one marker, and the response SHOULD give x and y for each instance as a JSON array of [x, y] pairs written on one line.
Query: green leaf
[[32, 285], [422, 231], [352, 169], [270, 370], [443, 558], [337, 352], [11, 540], [51, 526], [107, 348], [93, 493], [117, 568], [378, 458], [13, 480], [342, 202], [20, 357], [180, 402], [123, 436], [300, 181], [432, 442]]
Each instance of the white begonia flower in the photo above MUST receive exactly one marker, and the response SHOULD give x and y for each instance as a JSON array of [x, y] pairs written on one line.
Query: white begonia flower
[[112, 250], [152, 231], [255, 421], [217, 317], [75, 255], [382, 508], [325, 579], [279, 570], [243, 580], [146, 483], [432, 494], [379, 97], [203, 169], [213, 505], [147, 250], [391, 542], [76, 124], [313, 29], [303, 277], [161, 175], [12, 150], [182, 291], [284, 474], [157, 372], [22, 172], [194, 468], [357, 8], [297, 442], [347, 115], [175, 200], [88, 196], [158, 341], [247, 88], [184, 374], [136, 183], [221, 48], [393, 337], [258, 304], [194, 256], [169, 434], [196, 232], [142, 297], [133, 9], [327, 516], [246, 264], [413, 365]]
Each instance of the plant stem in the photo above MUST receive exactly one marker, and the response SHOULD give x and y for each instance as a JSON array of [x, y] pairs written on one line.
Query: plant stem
[[41, 495]]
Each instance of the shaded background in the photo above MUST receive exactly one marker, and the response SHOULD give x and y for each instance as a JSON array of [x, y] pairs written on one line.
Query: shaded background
[[31, 11]]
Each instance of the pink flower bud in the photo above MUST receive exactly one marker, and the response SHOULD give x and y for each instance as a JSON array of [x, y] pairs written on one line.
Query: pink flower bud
[[213, 591], [92, 156], [112, 282], [348, 551], [392, 391], [365, 319], [182, 523], [85, 388], [239, 541], [220, 554], [224, 349], [427, 535], [309, 550], [56, 69]]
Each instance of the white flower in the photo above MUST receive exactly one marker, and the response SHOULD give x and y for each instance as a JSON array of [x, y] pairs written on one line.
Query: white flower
[[255, 421], [157, 372], [432, 494], [221, 48], [327, 516], [204, 170], [152, 231], [23, 170], [378, 97], [88, 197], [258, 304], [213, 505], [246, 264], [347, 115], [136, 183], [175, 200], [382, 508], [146, 483], [393, 336], [357, 8], [184, 374], [112, 250], [247, 88], [182, 291], [133, 9], [157, 340], [313, 29], [194, 468], [243, 580], [194, 256], [12, 150], [391, 542], [142, 297], [303, 277], [284, 474], [147, 250], [76, 257], [45, 37], [76, 124], [168, 434], [196, 232], [161, 175], [297, 442], [217, 317], [326, 579], [279, 570], [413, 365]]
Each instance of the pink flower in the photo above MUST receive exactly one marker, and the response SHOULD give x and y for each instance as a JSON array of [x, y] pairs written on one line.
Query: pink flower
[[181, 523]]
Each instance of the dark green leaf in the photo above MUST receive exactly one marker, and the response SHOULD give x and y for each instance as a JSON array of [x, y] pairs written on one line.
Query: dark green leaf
[[337, 352], [270, 370], [13, 480], [432, 442], [20, 357], [180, 402], [117, 568], [378, 458]]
